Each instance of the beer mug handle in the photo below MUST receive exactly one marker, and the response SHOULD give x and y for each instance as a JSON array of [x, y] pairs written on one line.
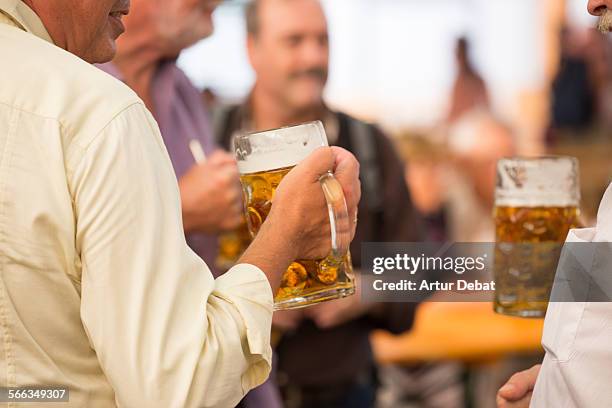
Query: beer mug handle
[[338, 215]]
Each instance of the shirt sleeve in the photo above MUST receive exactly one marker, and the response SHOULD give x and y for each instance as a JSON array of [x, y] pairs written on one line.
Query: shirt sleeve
[[165, 332]]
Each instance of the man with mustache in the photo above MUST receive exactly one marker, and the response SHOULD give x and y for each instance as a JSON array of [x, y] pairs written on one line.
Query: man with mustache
[[577, 336], [324, 355], [99, 292]]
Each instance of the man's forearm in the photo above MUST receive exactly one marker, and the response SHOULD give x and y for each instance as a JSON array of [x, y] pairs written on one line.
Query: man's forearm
[[270, 253]]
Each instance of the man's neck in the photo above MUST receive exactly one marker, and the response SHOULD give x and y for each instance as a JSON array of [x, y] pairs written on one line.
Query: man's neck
[[267, 112], [137, 59]]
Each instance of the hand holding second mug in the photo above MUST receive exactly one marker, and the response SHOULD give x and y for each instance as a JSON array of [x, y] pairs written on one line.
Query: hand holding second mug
[[211, 196], [299, 209]]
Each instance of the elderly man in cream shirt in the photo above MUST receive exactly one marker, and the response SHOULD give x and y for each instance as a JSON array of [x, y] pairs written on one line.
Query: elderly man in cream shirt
[[577, 368], [98, 289]]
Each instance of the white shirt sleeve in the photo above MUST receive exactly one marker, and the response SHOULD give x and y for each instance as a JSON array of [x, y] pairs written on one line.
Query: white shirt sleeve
[[165, 332], [577, 336]]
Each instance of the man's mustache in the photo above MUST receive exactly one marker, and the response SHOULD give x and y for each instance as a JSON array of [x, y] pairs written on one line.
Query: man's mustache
[[316, 73], [605, 22]]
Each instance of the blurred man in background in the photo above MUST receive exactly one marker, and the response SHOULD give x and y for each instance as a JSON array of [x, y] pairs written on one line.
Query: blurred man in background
[[577, 366], [211, 198], [156, 33], [324, 355]]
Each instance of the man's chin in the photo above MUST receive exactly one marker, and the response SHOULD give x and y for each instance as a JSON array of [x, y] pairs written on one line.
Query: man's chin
[[177, 44], [307, 105], [103, 54]]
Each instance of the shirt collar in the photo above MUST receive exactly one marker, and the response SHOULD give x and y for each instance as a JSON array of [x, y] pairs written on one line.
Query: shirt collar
[[24, 18]]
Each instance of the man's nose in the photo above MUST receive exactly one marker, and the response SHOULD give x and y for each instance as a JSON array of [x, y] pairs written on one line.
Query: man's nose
[[313, 53], [598, 7]]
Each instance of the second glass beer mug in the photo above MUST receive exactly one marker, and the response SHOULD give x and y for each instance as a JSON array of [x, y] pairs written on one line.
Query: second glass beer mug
[[264, 158], [232, 245], [536, 204]]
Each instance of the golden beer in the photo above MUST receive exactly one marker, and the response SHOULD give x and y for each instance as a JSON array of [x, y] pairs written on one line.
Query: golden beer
[[264, 159], [529, 242], [536, 204], [303, 278], [231, 246]]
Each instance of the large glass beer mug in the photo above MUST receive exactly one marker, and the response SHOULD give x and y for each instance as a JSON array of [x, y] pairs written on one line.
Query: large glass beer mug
[[264, 158], [536, 204]]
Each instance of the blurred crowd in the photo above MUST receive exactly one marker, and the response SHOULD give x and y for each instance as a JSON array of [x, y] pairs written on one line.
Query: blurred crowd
[[450, 169], [418, 185]]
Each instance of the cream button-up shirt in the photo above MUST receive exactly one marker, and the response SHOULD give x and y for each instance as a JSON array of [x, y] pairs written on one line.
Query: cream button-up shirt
[[577, 369], [98, 290]]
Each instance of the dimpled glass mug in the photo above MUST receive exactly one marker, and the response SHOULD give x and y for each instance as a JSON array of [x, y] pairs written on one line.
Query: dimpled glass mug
[[536, 204], [264, 158]]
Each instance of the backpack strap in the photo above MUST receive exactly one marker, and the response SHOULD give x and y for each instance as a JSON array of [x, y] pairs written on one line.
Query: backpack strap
[[224, 123], [363, 142]]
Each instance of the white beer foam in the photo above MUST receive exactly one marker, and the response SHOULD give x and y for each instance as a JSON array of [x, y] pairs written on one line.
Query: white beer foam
[[545, 182], [278, 148]]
